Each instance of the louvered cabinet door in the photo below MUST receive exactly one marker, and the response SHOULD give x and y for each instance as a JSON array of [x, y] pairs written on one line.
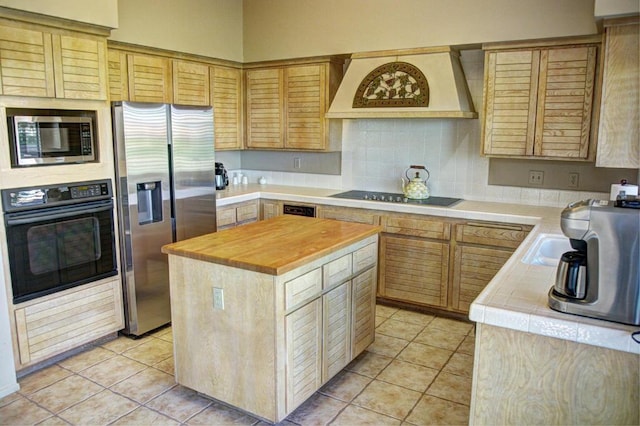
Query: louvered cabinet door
[[149, 79], [565, 98], [226, 98], [336, 330], [264, 108], [304, 353], [190, 83], [80, 66], [118, 80], [363, 311], [474, 267], [26, 63], [305, 105], [510, 94], [414, 270]]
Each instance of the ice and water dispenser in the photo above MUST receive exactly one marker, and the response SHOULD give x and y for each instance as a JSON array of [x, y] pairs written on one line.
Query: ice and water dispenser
[[149, 202]]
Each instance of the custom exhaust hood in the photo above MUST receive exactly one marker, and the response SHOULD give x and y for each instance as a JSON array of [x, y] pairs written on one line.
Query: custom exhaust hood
[[409, 83]]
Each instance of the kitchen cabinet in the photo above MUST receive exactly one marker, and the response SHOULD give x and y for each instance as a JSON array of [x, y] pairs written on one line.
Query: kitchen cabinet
[[347, 214], [618, 136], [190, 83], [538, 101], [481, 249], [226, 98], [118, 75], [51, 325], [270, 208], [236, 214], [149, 78], [286, 106], [42, 62], [414, 259], [278, 336]]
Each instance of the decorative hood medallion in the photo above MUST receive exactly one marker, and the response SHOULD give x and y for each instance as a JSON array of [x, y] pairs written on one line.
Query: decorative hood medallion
[[397, 84]]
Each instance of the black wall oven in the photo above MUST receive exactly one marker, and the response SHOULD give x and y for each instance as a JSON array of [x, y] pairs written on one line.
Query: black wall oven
[[59, 236]]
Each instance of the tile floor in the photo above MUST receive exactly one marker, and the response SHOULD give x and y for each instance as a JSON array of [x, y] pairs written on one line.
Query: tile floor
[[418, 372]]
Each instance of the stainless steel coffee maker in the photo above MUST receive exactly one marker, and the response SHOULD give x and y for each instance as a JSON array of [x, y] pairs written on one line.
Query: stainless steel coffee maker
[[600, 278]]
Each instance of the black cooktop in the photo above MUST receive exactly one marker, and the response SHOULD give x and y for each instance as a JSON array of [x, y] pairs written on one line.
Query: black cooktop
[[390, 197]]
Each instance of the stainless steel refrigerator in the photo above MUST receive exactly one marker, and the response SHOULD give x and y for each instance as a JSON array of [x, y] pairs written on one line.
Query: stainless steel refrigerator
[[165, 169]]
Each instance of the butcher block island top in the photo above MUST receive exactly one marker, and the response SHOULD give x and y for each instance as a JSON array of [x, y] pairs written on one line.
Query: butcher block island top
[[274, 246]]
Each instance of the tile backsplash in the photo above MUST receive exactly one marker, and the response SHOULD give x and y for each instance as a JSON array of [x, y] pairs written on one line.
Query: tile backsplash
[[377, 152]]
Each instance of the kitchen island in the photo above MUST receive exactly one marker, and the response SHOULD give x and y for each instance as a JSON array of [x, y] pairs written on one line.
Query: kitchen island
[[265, 314]]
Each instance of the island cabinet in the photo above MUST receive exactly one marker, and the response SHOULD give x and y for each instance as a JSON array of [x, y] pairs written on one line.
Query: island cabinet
[[47, 62], [262, 323], [538, 101], [236, 214], [286, 104]]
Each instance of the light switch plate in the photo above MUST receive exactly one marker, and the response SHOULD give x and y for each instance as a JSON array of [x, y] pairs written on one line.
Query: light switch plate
[[218, 298]]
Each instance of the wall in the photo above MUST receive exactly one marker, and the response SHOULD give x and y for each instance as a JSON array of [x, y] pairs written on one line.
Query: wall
[[278, 29], [204, 27], [98, 12], [8, 383]]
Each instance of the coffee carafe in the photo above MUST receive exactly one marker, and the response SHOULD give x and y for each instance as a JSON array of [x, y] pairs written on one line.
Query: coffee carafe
[[222, 178], [571, 276]]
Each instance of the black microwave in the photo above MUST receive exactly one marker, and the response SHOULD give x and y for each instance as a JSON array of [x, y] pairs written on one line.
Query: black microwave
[[44, 139]]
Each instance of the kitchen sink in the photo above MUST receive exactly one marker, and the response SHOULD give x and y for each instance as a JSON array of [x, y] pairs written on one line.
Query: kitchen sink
[[547, 249]]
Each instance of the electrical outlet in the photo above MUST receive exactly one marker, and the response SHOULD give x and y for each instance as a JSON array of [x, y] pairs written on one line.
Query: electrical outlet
[[296, 163], [574, 180], [536, 177], [218, 298]]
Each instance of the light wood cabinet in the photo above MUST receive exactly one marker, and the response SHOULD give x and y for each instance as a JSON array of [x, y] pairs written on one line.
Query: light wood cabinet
[[618, 135], [336, 330], [35, 62], [286, 106], [190, 83], [149, 78], [347, 214], [226, 98], [236, 214], [270, 208], [118, 75], [52, 325], [538, 101]]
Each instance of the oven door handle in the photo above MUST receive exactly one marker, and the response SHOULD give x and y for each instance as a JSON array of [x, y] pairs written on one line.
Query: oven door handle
[[24, 219]]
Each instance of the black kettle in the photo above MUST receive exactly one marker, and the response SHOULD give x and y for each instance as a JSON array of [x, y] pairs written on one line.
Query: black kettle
[[221, 176]]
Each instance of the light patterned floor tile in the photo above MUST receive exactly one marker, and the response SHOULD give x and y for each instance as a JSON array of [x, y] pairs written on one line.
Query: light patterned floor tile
[[468, 345], [387, 399], [345, 386], [440, 338], [124, 343], [101, 409], [86, 359], [369, 364], [151, 352], [144, 416], [452, 388], [425, 355], [317, 410], [10, 398], [380, 320], [385, 311], [412, 317], [399, 329], [410, 376], [354, 415], [65, 393], [145, 385], [166, 365], [218, 414], [452, 325], [387, 345], [435, 411], [54, 421], [42, 378], [22, 412], [460, 364], [179, 403], [112, 370]]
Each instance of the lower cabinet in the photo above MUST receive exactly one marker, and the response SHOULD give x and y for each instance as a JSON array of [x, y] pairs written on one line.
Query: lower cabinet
[[236, 214], [270, 208]]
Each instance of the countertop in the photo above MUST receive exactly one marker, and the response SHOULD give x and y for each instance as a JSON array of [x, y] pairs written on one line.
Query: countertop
[[274, 246], [516, 298]]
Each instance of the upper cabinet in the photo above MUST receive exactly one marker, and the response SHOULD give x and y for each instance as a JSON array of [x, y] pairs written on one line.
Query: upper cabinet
[[286, 105], [618, 136], [137, 76], [538, 101], [45, 63]]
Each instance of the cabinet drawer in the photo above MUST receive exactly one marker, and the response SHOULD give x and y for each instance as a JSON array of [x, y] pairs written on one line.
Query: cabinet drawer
[[303, 288], [225, 217], [337, 270], [492, 234], [349, 215], [417, 227], [247, 213], [365, 257]]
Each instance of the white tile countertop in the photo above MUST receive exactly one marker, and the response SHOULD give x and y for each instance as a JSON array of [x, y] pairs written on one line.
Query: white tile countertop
[[516, 298]]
